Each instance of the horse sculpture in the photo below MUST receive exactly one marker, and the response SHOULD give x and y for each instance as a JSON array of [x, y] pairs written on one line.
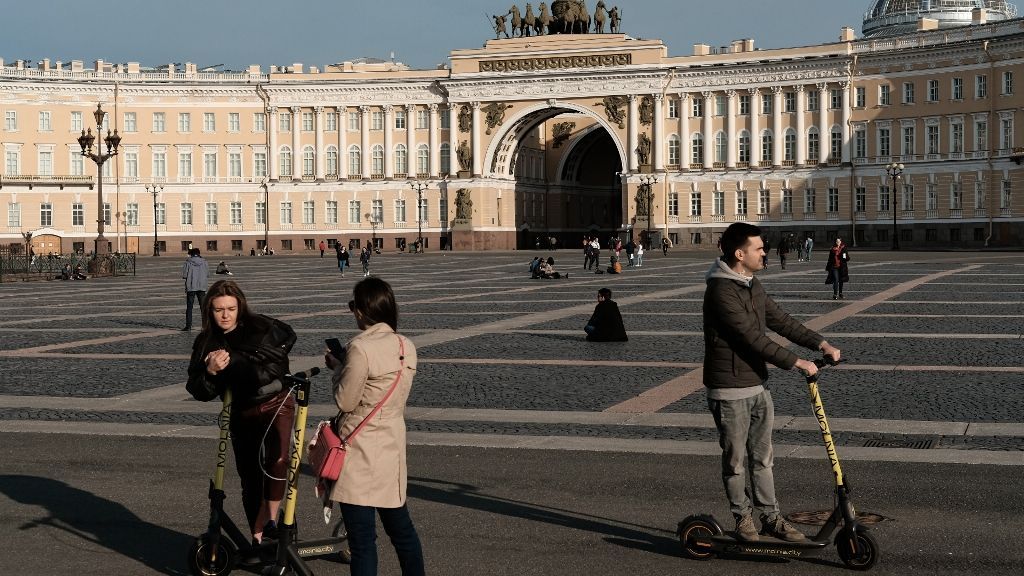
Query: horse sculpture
[[517, 20], [575, 18], [529, 21], [543, 23], [600, 16]]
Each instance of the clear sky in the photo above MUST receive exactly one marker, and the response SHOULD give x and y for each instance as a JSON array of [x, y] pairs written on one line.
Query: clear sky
[[237, 33]]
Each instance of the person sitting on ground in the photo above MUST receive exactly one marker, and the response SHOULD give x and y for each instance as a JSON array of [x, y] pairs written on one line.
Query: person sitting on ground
[[535, 267], [614, 267], [65, 272], [547, 269], [605, 325], [222, 268], [79, 274]]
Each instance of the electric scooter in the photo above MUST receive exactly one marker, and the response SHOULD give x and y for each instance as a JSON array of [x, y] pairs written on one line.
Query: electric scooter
[[702, 537], [218, 551]]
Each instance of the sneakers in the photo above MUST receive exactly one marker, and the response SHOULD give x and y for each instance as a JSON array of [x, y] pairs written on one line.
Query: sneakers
[[186, 329], [835, 296], [840, 295], [745, 530], [779, 528]]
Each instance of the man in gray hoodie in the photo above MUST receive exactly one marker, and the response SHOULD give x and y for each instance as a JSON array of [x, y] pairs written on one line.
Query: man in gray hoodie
[[195, 272], [737, 312]]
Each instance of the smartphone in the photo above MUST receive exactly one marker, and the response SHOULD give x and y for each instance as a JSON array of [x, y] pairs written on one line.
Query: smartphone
[[337, 350]]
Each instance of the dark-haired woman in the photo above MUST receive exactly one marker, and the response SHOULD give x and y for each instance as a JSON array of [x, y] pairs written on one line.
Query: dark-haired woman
[[838, 268], [248, 353], [374, 479]]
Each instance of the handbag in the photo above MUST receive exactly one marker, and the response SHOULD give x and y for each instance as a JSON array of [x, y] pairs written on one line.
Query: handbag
[[327, 450]]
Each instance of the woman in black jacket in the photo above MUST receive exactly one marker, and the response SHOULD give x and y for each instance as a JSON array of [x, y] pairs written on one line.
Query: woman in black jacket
[[248, 353], [836, 266]]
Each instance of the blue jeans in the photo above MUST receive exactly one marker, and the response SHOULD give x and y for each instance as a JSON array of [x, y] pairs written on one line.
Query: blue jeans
[[361, 525], [200, 295], [837, 281], [745, 435]]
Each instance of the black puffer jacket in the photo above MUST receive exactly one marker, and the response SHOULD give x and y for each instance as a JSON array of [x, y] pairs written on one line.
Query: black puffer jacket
[[737, 348], [259, 357]]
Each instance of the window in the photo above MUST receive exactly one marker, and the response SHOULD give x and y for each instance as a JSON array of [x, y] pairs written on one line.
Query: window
[[697, 148], [77, 164], [285, 159], [184, 122], [45, 163], [307, 121], [744, 146], [956, 144], [908, 92], [787, 202], [286, 212], [1007, 83], [1006, 134], [10, 120], [259, 164], [236, 246], [308, 212], [331, 212], [76, 121], [835, 99], [1006, 197], [446, 119], [860, 143], [235, 164], [741, 202], [261, 212], [308, 162], [184, 165], [286, 245], [958, 88], [354, 121], [981, 86], [377, 211], [46, 214], [673, 108], [812, 101], [422, 119], [161, 213], [744, 104], [813, 145], [446, 158], [159, 164], [860, 97], [907, 198], [400, 122], [12, 162], [210, 165], [376, 120], [209, 122], [981, 135], [931, 197], [789, 145], [45, 125], [13, 215], [764, 201], [836, 147], [718, 203], [884, 95], [355, 161], [933, 90], [424, 213], [353, 212], [284, 121], [331, 159], [698, 107], [767, 103], [77, 214], [331, 121], [860, 199], [884, 142], [810, 198], [236, 213], [883, 198], [234, 122], [767, 147], [721, 105], [908, 141], [673, 150], [377, 160], [159, 122], [422, 159], [979, 195], [932, 139], [956, 196], [400, 210], [106, 213], [401, 159], [186, 213], [721, 147], [259, 122], [131, 164], [789, 102], [211, 213], [695, 204]]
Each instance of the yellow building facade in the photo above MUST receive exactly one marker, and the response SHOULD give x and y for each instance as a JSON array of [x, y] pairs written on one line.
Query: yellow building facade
[[530, 138]]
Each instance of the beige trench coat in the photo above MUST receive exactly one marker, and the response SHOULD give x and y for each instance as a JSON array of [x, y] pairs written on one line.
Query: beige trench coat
[[375, 472]]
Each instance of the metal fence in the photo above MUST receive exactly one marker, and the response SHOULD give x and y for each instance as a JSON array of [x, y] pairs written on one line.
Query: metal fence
[[17, 266]]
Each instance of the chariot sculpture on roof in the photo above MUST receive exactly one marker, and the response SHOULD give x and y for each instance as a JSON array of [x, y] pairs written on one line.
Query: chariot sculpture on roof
[[564, 17]]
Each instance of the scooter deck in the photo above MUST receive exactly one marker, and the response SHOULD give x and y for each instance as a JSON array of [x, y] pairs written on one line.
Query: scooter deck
[[766, 546]]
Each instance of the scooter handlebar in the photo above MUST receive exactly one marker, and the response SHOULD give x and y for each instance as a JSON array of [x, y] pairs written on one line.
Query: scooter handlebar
[[301, 377], [826, 361]]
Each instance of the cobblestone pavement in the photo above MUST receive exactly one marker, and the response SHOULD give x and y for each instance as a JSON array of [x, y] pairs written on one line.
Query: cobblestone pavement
[[934, 342]]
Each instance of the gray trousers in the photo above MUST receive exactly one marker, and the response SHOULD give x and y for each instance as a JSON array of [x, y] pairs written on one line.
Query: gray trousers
[[745, 435]]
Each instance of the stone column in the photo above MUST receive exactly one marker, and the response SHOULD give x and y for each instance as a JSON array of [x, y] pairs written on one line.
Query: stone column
[[730, 129], [801, 128], [296, 143], [709, 135], [410, 140], [435, 151], [658, 138], [318, 112], [824, 128], [684, 132], [453, 138], [364, 140], [847, 113], [634, 127], [273, 157], [777, 132], [389, 154], [342, 142], [477, 161], [755, 128]]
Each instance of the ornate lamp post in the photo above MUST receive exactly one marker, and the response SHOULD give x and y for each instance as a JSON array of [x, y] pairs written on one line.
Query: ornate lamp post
[[647, 195], [86, 141], [894, 171], [154, 190], [419, 187]]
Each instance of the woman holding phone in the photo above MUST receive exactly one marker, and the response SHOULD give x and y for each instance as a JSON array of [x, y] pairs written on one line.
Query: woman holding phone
[[377, 369]]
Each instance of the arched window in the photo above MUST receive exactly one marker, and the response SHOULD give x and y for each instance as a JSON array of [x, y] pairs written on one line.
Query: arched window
[[286, 161], [790, 145], [422, 159], [332, 161], [673, 150], [401, 159], [767, 146], [377, 160], [744, 146], [355, 161], [697, 148], [721, 147], [308, 162], [446, 158]]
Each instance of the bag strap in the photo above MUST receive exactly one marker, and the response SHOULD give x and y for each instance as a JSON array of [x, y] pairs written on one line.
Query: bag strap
[[401, 358]]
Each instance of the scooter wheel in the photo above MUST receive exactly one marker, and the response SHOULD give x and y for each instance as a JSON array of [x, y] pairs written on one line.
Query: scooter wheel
[[859, 554], [199, 563], [690, 530]]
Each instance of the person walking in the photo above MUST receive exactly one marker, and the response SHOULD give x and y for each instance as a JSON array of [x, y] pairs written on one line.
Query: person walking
[[605, 324], [837, 268], [639, 255], [630, 247], [767, 251], [343, 256], [595, 253], [195, 271], [783, 251], [364, 259], [378, 369], [808, 248], [322, 248], [664, 246], [737, 312], [247, 353]]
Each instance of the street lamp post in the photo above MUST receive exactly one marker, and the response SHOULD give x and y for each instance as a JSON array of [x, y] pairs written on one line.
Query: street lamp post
[[647, 191], [86, 140], [154, 190], [894, 171], [419, 187]]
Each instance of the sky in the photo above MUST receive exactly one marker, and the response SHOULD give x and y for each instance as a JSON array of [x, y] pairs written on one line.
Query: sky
[[238, 33]]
